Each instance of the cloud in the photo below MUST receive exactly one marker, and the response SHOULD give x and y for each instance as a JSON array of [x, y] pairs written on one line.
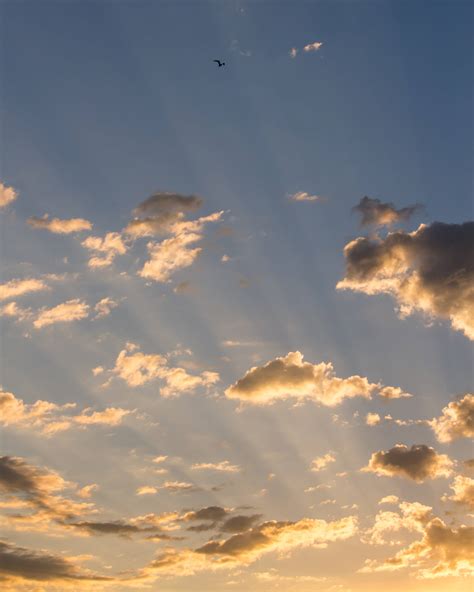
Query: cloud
[[375, 212], [50, 418], [18, 287], [237, 524], [372, 419], [293, 52], [442, 552], [224, 466], [13, 310], [136, 369], [456, 421], [463, 488], [430, 270], [108, 247], [58, 226], [164, 201], [418, 463], [146, 490], [66, 312], [389, 499], [36, 490], [86, 491], [316, 46], [19, 563], [393, 392], [321, 462], [7, 195], [303, 196], [291, 377], [175, 253], [412, 516], [104, 307], [246, 547]]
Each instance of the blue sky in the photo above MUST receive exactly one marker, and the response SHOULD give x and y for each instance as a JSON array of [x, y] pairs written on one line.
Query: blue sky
[[107, 103]]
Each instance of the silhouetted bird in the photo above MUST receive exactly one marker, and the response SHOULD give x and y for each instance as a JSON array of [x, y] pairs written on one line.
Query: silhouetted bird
[[219, 63]]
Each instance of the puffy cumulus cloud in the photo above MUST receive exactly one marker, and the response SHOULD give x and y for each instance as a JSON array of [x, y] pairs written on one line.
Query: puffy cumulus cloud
[[19, 287], [463, 488], [223, 466], [49, 418], [104, 307], [291, 377], [373, 211], [176, 252], [316, 46], [246, 547], [164, 201], [442, 551], [321, 462], [18, 565], [412, 516], [151, 226], [303, 196], [418, 463], [7, 195], [106, 249], [430, 270], [372, 419], [456, 420], [87, 491], [58, 226], [66, 312], [137, 368]]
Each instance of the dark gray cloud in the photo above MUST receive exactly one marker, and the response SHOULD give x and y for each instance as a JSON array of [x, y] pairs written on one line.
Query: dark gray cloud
[[375, 212], [240, 523], [430, 270], [18, 562], [418, 463], [164, 201]]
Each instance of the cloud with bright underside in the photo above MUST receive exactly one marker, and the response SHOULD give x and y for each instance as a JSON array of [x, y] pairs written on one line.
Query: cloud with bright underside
[[456, 420], [316, 46], [463, 491], [57, 226], [443, 551], [322, 462], [291, 377], [246, 547], [7, 195], [19, 287], [137, 369], [430, 270], [50, 418], [418, 463]]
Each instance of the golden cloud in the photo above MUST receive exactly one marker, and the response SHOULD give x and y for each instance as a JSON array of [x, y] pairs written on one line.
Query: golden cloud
[[456, 421], [57, 226]]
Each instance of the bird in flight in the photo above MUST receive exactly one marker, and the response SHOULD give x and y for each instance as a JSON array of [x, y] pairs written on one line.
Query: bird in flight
[[219, 63]]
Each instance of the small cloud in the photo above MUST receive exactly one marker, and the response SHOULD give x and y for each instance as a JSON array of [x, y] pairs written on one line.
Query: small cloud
[[293, 52], [389, 499], [224, 466], [303, 196], [7, 195], [456, 421], [67, 312], [372, 419], [86, 492], [104, 307], [316, 46], [375, 212], [321, 462], [57, 226], [146, 490]]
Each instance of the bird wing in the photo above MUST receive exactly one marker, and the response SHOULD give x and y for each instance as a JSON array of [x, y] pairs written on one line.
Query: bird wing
[[217, 61]]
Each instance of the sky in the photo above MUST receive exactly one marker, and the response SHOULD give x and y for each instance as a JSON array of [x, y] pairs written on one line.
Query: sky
[[236, 302]]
